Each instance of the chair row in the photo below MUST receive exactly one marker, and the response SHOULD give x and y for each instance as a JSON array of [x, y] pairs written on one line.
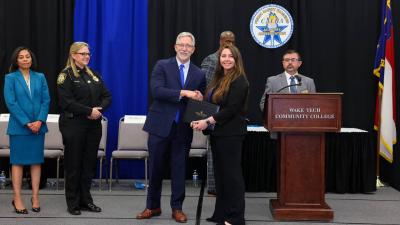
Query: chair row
[[132, 142], [53, 145]]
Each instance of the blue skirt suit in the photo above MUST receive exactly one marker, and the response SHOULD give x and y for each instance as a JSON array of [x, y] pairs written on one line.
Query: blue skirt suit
[[26, 104]]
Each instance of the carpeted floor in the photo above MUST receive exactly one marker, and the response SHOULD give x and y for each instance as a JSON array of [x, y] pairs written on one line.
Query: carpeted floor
[[122, 204]]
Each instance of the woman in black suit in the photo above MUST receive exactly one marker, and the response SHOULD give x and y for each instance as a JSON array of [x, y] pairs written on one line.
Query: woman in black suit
[[82, 97], [229, 89]]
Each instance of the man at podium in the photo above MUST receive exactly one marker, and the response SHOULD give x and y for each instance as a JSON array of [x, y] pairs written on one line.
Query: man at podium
[[290, 81]]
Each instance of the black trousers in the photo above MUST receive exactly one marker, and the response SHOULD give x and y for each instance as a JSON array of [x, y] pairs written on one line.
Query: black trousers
[[229, 182], [81, 139]]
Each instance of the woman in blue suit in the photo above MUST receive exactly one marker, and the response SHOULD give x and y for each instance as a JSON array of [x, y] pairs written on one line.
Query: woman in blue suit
[[27, 98]]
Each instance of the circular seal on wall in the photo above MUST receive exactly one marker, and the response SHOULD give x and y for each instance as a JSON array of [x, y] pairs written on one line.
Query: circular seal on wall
[[271, 26]]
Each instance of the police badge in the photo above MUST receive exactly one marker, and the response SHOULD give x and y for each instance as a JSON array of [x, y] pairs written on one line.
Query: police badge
[[61, 78]]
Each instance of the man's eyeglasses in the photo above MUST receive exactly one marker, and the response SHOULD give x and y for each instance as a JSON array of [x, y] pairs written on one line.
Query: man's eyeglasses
[[84, 53], [184, 46], [292, 60]]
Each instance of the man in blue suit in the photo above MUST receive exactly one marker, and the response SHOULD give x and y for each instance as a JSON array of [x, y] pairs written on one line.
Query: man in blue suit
[[173, 82]]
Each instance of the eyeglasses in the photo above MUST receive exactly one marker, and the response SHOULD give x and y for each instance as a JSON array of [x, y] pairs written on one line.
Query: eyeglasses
[[291, 60], [84, 53], [185, 46]]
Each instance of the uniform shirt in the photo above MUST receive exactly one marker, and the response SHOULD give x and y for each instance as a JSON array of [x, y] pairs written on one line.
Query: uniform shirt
[[78, 95]]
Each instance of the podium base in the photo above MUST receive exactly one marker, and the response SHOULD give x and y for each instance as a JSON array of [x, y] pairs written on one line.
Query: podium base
[[300, 211]]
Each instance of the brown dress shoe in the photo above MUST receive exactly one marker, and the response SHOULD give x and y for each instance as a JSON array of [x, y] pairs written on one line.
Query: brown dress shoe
[[179, 216], [148, 213]]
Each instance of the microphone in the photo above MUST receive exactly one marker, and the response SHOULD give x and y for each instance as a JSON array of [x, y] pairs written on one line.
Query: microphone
[[298, 78]]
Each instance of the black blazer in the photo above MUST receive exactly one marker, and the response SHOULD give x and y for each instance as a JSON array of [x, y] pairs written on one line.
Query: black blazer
[[78, 95], [231, 118]]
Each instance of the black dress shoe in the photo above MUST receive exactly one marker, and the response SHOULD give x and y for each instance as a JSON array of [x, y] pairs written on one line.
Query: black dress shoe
[[212, 193], [91, 207], [223, 223], [74, 211], [19, 211], [214, 220]]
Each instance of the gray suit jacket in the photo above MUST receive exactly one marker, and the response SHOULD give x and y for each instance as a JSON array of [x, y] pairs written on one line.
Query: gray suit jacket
[[279, 81]]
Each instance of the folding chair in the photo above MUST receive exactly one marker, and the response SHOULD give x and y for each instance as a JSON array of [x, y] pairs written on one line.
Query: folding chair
[[132, 142], [199, 145], [101, 153], [53, 143], [4, 139]]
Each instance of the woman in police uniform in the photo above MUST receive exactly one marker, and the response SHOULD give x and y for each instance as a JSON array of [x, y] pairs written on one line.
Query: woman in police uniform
[[83, 98]]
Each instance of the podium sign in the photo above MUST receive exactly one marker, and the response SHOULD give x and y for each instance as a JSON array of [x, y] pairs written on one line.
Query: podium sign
[[302, 120], [304, 112]]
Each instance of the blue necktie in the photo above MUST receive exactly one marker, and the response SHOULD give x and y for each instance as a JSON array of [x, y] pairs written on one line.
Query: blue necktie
[[182, 76], [293, 89]]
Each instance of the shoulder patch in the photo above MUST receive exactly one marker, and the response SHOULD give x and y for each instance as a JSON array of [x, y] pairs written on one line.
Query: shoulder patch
[[61, 78]]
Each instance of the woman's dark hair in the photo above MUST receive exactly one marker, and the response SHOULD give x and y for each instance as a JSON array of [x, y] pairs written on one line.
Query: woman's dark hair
[[221, 81], [14, 59]]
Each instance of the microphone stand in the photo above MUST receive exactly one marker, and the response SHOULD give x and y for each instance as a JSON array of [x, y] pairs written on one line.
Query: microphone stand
[[287, 86]]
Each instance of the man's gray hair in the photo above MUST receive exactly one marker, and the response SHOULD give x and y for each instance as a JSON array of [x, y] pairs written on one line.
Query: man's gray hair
[[185, 34]]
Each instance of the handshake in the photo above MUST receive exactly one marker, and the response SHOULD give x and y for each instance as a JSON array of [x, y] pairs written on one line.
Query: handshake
[[195, 95]]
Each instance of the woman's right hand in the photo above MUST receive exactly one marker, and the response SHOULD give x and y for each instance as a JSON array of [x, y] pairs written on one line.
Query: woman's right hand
[[95, 113], [34, 127]]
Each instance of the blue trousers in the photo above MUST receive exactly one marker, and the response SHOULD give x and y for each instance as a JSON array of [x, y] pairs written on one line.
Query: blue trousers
[[177, 146]]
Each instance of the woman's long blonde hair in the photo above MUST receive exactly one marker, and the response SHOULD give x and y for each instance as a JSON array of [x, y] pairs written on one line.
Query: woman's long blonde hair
[[221, 81], [75, 47]]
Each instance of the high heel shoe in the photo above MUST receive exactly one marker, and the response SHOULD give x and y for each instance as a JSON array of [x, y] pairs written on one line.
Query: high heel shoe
[[33, 208], [19, 211]]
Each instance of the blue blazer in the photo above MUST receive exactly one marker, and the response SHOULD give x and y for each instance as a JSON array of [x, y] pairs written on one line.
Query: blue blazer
[[24, 107], [165, 86]]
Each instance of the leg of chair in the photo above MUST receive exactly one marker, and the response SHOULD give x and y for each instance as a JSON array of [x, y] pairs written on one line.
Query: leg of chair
[[101, 172], [111, 166], [106, 171], [58, 172], [116, 172]]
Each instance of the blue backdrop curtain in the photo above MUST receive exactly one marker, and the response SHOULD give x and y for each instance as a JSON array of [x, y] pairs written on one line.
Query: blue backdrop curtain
[[117, 34]]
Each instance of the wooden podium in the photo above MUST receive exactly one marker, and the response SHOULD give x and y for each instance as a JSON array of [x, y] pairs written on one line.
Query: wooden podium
[[302, 120]]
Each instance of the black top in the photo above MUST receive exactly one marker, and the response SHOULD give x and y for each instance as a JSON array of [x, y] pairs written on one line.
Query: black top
[[231, 118], [78, 95]]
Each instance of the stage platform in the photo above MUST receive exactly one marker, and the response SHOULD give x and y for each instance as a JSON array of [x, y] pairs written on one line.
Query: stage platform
[[122, 204]]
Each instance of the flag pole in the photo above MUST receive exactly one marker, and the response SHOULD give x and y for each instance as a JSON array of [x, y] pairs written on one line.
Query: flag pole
[[378, 181]]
